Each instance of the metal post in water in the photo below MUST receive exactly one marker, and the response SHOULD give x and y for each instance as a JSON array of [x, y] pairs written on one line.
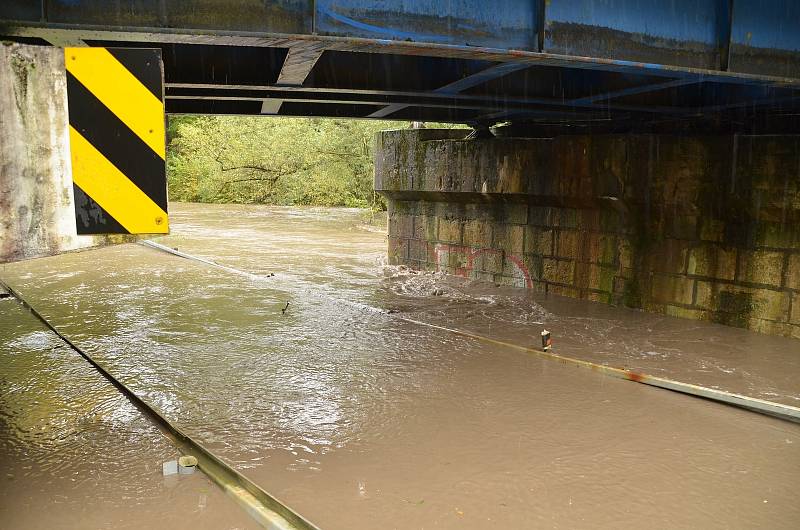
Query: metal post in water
[[547, 341]]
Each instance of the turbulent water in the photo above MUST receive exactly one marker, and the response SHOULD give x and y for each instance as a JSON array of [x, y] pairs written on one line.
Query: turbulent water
[[359, 419], [74, 453]]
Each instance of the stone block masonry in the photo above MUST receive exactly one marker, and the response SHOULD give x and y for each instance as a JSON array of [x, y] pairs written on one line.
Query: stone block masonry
[[701, 227]]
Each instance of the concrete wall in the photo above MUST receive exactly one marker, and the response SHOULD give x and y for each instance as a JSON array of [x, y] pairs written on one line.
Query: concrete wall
[[37, 216], [704, 227]]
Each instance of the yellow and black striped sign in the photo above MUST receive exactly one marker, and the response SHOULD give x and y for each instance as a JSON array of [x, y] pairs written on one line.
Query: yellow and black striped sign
[[116, 133]]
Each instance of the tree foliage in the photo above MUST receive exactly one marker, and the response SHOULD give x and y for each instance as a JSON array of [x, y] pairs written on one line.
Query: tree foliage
[[283, 161]]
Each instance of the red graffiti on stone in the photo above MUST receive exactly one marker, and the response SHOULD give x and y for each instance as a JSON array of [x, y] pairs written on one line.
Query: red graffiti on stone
[[468, 255]]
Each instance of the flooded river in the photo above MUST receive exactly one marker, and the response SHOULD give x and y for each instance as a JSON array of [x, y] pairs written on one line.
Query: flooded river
[[358, 419]]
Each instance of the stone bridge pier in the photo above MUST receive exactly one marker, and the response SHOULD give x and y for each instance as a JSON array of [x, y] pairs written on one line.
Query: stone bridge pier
[[705, 227]]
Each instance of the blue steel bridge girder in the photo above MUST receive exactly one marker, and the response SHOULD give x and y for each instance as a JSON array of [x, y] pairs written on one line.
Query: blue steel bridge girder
[[471, 61]]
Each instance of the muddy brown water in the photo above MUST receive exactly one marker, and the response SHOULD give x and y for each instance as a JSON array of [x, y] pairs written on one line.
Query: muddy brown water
[[357, 419], [74, 453]]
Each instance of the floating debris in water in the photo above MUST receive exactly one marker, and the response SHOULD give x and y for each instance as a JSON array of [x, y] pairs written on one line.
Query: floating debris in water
[[170, 468], [283, 311], [187, 465]]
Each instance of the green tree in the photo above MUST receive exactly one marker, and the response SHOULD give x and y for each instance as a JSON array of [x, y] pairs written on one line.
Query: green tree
[[284, 161]]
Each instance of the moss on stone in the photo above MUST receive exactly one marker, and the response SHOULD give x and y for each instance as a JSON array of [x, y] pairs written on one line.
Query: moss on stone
[[632, 295], [733, 308], [606, 279]]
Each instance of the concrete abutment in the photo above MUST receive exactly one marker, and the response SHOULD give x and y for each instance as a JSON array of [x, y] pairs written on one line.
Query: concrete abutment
[[700, 227], [37, 202]]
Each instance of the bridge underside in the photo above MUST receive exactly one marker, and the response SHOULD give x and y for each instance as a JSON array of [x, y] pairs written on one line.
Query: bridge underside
[[557, 67]]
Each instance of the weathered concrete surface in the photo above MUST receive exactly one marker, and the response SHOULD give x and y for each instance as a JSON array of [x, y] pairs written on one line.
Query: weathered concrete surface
[[37, 216], [698, 227]]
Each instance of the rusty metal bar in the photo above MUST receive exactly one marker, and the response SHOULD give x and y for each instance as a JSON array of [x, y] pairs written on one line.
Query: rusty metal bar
[[779, 410]]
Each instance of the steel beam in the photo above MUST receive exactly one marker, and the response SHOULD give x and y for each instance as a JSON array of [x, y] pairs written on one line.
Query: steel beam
[[410, 98], [752, 36], [169, 35], [302, 50], [643, 89], [299, 62], [752, 103], [272, 106], [268, 106], [60, 40], [455, 87], [270, 103]]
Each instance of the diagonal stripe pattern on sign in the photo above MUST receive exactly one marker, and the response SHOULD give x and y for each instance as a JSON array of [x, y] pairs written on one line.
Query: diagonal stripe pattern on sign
[[117, 135], [119, 90], [112, 190], [106, 132]]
